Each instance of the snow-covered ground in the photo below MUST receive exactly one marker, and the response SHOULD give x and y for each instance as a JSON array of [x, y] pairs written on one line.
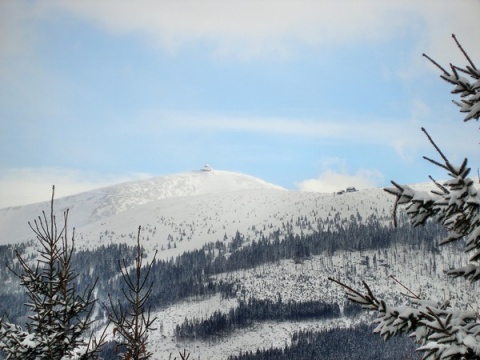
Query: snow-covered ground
[[100, 204], [308, 281], [183, 212]]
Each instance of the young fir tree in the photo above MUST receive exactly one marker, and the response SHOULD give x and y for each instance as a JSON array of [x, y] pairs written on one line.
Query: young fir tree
[[442, 332], [133, 323], [61, 315]]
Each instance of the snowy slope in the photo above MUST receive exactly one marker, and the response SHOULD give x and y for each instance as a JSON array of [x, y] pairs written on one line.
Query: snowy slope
[[188, 223], [188, 210], [94, 206], [195, 207], [308, 281], [183, 212]]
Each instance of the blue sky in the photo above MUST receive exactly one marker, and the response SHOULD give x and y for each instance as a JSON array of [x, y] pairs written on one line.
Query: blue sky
[[309, 95]]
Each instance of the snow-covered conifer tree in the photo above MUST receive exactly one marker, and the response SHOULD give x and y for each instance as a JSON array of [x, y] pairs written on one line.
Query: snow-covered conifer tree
[[133, 323], [441, 331], [61, 315]]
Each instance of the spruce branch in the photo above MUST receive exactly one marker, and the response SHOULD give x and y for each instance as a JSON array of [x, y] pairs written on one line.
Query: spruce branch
[[405, 287], [447, 166], [436, 64], [464, 52]]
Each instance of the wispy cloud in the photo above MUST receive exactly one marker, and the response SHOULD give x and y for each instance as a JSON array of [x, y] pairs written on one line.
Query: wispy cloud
[[404, 135], [335, 127]]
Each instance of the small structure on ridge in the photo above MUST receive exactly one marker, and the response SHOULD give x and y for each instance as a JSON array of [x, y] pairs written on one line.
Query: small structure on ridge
[[206, 168]]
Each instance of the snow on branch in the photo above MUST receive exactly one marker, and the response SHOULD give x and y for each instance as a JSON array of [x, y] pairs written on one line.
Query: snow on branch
[[455, 204], [442, 332], [468, 90]]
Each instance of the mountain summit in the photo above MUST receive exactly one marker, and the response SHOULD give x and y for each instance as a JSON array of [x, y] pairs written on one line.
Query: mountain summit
[[102, 203]]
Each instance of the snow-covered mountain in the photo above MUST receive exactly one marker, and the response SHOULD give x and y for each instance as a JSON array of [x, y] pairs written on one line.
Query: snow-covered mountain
[[96, 205], [196, 208], [183, 212]]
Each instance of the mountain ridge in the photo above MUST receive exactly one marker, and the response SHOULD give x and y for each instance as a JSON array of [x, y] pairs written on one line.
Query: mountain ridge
[[95, 205], [205, 206]]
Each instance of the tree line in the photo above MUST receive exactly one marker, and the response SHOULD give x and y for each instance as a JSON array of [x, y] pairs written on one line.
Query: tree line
[[191, 274], [357, 342], [254, 310]]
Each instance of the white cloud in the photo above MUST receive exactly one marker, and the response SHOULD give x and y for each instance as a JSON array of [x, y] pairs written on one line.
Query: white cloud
[[263, 27], [335, 177], [441, 20], [335, 127], [17, 29], [333, 181], [403, 135], [22, 186]]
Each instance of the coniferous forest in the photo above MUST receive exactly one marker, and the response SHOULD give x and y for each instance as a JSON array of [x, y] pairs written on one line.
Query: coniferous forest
[[357, 343], [193, 275]]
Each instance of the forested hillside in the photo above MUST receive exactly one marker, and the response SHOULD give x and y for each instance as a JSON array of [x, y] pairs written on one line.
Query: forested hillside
[[258, 282]]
